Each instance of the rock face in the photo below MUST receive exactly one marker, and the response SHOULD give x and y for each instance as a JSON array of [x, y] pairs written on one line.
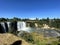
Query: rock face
[[10, 39]]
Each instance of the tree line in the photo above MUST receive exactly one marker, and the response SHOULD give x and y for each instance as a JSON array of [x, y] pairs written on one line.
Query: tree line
[[51, 22]]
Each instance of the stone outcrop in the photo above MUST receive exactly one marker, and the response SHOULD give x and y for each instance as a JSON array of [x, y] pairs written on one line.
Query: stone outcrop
[[9, 39]]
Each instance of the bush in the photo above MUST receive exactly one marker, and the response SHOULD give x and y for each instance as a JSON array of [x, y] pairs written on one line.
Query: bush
[[27, 36]]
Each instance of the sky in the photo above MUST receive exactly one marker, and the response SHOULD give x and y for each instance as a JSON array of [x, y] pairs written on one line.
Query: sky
[[30, 8]]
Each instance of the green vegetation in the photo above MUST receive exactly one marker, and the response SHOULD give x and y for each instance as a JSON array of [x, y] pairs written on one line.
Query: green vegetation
[[34, 38], [51, 22], [27, 36], [38, 39]]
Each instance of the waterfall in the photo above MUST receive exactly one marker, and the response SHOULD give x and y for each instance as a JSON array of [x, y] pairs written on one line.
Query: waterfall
[[13, 26], [2, 26], [21, 26], [8, 24]]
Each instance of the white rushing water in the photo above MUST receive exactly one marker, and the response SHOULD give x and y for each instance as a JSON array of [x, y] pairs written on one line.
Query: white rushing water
[[21, 26], [8, 24], [3, 25]]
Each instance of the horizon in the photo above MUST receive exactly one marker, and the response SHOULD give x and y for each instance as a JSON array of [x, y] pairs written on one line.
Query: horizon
[[30, 8]]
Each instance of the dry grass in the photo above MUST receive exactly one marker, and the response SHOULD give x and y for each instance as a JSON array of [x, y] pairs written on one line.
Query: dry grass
[[7, 39], [41, 40]]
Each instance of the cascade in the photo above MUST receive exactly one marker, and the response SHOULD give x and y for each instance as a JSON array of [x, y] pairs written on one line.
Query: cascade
[[8, 24], [21, 26], [2, 26]]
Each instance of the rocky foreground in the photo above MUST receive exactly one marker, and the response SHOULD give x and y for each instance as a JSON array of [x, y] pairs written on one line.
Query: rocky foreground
[[8, 39]]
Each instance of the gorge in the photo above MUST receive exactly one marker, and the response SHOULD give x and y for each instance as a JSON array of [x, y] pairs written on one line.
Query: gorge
[[19, 26]]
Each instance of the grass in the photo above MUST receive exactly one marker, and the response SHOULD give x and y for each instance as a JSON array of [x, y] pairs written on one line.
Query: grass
[[39, 39], [36, 39]]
